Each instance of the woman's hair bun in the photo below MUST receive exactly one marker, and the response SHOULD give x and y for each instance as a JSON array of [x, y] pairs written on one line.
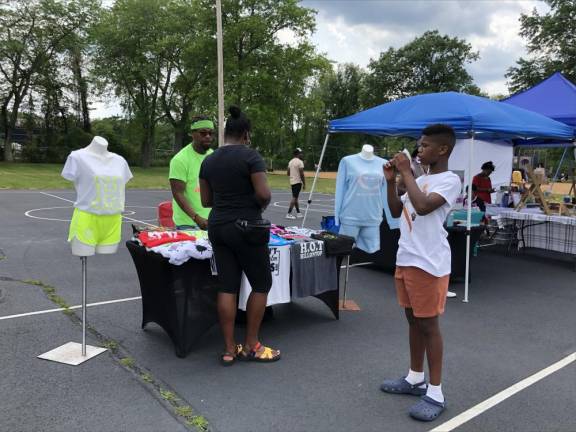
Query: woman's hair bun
[[234, 111]]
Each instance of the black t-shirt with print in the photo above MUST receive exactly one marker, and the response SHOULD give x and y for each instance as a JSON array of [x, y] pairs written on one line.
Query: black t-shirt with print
[[228, 171]]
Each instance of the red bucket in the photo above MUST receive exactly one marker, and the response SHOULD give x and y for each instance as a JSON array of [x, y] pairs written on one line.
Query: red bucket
[[165, 214]]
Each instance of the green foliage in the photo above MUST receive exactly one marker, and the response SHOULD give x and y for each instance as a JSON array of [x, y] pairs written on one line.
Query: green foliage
[[551, 44], [168, 396], [430, 63], [128, 362], [157, 58]]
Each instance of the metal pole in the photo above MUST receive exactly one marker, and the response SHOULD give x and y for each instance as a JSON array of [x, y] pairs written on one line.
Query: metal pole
[[346, 281], [560, 165], [468, 219], [220, 54], [315, 179], [84, 278]]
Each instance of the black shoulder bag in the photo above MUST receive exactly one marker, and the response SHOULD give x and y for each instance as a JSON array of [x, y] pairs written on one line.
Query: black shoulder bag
[[256, 232]]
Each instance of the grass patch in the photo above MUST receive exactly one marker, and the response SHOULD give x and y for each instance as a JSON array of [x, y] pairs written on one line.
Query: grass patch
[[110, 345], [168, 396], [50, 292], [147, 378], [127, 362], [198, 422], [47, 176]]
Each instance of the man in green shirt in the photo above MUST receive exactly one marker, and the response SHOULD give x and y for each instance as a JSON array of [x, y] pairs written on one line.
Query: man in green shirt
[[187, 210]]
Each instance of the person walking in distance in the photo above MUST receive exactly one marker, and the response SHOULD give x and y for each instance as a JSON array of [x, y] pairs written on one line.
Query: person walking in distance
[[297, 182], [423, 263]]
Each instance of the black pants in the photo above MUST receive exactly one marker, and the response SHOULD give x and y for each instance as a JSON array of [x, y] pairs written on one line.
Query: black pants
[[296, 188], [234, 255]]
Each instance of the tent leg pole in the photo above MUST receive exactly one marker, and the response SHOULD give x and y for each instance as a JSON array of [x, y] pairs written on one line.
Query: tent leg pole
[[468, 220], [315, 179]]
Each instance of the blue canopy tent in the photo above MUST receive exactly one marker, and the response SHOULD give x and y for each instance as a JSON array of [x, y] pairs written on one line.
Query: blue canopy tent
[[555, 97], [470, 116]]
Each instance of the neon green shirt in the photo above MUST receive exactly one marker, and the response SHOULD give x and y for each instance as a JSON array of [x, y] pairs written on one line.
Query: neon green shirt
[[185, 166]]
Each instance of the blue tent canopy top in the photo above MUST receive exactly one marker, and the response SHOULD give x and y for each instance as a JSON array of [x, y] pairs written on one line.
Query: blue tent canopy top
[[465, 113], [555, 97]]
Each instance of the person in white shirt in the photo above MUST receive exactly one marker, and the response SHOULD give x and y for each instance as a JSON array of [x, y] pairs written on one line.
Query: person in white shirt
[[423, 263], [297, 182]]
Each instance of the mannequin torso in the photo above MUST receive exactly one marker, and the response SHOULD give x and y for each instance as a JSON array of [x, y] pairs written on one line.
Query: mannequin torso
[[367, 152], [99, 147]]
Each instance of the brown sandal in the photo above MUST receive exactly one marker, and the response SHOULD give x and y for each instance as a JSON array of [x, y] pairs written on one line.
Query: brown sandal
[[260, 353], [234, 356]]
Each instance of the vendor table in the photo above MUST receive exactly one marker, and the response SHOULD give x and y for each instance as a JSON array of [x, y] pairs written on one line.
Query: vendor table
[[182, 299], [553, 233]]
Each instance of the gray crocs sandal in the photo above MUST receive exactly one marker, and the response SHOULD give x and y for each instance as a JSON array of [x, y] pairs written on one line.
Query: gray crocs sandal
[[401, 386], [427, 409]]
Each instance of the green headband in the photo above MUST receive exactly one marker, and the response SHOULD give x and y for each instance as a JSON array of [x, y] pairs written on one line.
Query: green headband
[[202, 124]]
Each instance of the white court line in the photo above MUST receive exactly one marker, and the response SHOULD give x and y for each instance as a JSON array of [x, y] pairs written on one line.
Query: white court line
[[124, 217], [46, 311], [475, 411]]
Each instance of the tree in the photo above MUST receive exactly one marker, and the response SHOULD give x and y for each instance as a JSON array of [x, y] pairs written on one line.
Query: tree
[[430, 63], [31, 34], [128, 58], [190, 53], [263, 75], [551, 45]]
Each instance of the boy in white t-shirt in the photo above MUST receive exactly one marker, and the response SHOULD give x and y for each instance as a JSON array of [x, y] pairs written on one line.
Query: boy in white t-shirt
[[423, 263]]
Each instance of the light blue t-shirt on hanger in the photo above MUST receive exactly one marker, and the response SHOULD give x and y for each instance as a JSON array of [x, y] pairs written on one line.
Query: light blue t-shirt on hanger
[[361, 198]]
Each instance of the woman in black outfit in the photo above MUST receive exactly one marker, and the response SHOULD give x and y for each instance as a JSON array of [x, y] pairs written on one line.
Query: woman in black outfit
[[233, 182]]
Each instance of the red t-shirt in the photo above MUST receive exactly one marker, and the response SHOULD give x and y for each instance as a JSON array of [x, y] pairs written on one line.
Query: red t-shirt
[[483, 182]]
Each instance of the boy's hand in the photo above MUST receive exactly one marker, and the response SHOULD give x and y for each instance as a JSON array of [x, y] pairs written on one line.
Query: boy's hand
[[402, 163], [389, 172]]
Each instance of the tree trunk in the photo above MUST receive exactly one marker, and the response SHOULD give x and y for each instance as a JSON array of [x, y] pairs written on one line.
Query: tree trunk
[[147, 146], [10, 126], [82, 90], [180, 136]]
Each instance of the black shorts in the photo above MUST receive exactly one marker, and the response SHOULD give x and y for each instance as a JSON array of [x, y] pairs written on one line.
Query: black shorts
[[234, 256], [296, 188]]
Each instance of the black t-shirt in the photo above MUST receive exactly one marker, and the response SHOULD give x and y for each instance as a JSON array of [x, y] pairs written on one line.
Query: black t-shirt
[[228, 171]]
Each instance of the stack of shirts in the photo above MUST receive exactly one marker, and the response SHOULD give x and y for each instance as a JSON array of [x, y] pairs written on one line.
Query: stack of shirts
[[177, 246]]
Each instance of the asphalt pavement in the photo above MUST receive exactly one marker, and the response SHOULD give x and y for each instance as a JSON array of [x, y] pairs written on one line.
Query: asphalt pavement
[[519, 321]]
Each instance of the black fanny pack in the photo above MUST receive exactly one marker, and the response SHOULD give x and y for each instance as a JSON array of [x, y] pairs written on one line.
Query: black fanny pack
[[256, 232]]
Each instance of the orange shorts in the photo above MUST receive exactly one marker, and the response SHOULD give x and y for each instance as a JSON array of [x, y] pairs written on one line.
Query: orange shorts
[[424, 293]]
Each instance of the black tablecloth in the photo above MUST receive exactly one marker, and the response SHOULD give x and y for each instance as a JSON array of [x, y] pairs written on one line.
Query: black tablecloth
[[182, 299], [385, 258]]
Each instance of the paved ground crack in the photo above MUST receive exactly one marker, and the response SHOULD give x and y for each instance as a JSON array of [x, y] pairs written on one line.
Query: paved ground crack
[[178, 407]]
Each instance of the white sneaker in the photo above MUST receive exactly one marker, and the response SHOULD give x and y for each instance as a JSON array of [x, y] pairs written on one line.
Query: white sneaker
[[299, 215], [451, 294], [290, 216]]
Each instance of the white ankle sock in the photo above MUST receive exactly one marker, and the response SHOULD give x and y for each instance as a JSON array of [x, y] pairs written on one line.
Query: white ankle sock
[[415, 377], [435, 392]]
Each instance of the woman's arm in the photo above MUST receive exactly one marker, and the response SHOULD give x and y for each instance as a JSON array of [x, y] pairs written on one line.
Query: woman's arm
[[262, 191], [206, 194]]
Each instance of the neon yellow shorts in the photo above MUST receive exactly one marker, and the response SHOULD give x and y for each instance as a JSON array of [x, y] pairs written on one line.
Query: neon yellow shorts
[[95, 230]]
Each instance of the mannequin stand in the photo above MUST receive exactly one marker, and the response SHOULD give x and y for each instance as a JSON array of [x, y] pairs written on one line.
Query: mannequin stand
[[344, 304], [73, 353]]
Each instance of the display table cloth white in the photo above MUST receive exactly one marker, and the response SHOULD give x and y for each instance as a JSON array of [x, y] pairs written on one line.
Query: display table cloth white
[[537, 230]]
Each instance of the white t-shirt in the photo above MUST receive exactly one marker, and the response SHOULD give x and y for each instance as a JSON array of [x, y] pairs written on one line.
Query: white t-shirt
[[295, 165], [280, 268], [99, 181], [423, 239]]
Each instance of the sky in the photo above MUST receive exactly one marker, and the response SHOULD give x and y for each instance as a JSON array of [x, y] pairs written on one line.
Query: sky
[[356, 31]]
